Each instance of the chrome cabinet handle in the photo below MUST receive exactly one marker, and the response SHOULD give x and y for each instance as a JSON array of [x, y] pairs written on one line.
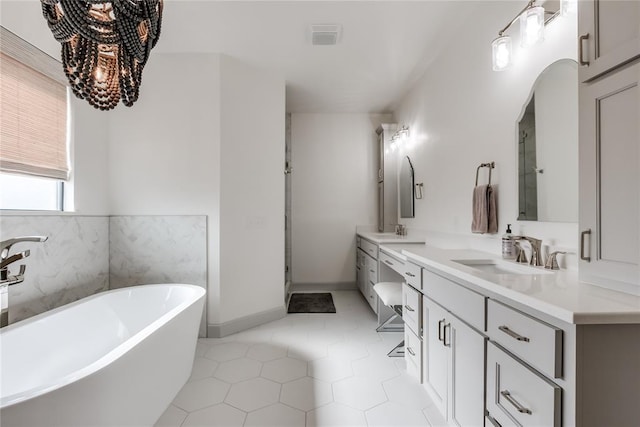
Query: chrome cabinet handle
[[408, 308], [440, 323], [388, 262], [409, 274], [581, 40], [410, 350], [514, 402], [582, 239], [444, 335], [512, 334]]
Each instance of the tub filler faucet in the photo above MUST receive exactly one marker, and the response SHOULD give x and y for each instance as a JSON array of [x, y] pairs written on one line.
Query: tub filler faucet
[[6, 279]]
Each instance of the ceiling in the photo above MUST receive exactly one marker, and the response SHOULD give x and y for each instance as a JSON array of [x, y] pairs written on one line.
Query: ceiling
[[385, 47]]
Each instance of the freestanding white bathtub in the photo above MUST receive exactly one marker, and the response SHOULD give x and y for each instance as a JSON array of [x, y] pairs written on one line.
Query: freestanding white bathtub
[[117, 358]]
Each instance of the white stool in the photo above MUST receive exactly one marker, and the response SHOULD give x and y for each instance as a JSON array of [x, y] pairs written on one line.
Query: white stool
[[390, 294]]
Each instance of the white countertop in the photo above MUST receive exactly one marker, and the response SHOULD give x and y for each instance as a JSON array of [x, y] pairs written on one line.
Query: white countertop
[[557, 293], [382, 238]]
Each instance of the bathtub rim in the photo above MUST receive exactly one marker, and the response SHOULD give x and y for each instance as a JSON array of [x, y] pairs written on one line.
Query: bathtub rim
[[108, 358]]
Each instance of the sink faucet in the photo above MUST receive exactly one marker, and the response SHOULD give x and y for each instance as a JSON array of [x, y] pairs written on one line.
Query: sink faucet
[[536, 250], [401, 230], [7, 280]]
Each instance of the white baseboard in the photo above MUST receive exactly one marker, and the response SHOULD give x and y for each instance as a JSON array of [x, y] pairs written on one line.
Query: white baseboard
[[243, 323]]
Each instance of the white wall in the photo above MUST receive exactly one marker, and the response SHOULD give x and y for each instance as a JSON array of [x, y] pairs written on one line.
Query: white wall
[[206, 137], [333, 189], [251, 191], [461, 114]]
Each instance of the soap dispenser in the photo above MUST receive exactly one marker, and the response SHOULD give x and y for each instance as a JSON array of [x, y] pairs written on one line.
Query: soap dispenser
[[508, 244]]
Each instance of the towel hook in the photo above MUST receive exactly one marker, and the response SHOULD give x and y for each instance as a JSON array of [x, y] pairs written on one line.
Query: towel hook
[[490, 165]]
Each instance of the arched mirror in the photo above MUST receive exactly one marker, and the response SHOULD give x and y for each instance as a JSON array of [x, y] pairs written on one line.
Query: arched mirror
[[548, 147], [405, 184]]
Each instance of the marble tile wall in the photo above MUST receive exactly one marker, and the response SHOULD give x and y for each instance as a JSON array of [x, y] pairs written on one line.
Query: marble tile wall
[[88, 254], [72, 264], [158, 249]]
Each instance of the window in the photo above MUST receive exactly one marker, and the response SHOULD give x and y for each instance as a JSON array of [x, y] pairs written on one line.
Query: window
[[34, 157]]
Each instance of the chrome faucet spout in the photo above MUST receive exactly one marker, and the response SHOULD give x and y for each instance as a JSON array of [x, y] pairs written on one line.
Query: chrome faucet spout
[[13, 258], [536, 250], [5, 245]]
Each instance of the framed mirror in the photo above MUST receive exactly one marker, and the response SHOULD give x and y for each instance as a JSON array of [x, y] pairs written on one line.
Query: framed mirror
[[406, 189], [547, 147]]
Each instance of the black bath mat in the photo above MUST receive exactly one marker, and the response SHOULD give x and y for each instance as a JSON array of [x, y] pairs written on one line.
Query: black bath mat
[[311, 303]]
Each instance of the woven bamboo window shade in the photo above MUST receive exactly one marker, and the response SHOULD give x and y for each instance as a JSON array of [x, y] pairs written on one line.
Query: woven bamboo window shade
[[33, 111]]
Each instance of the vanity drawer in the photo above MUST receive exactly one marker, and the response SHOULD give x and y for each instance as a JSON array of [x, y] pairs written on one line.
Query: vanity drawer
[[464, 303], [413, 354], [371, 267], [411, 313], [370, 248], [394, 264], [537, 343], [518, 396], [413, 275]]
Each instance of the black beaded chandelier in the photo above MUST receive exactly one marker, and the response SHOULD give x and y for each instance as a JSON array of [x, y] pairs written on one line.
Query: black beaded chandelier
[[105, 45]]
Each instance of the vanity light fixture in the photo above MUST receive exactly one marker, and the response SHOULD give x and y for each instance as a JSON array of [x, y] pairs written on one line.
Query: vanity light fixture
[[568, 7], [532, 22], [400, 136], [105, 45], [531, 25]]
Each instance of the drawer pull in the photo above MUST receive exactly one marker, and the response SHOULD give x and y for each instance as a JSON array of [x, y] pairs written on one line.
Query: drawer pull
[[444, 335], [409, 274], [408, 308], [410, 350], [388, 262], [581, 40], [440, 323], [515, 403], [512, 334], [582, 250]]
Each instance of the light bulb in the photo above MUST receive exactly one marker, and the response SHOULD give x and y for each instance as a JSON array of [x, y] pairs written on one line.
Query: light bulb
[[501, 53], [532, 26], [568, 7]]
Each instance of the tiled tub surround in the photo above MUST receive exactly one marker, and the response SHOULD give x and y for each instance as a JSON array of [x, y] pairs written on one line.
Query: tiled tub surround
[[88, 254], [72, 264], [158, 249]]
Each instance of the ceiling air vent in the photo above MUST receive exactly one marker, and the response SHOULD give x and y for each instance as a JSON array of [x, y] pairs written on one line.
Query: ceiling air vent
[[326, 34]]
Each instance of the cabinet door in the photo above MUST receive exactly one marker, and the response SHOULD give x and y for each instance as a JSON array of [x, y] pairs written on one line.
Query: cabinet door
[[435, 354], [609, 35], [610, 181], [466, 387]]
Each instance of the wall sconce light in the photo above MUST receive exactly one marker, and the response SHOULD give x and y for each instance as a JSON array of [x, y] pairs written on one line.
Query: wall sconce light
[[400, 136], [568, 7], [532, 23], [105, 45]]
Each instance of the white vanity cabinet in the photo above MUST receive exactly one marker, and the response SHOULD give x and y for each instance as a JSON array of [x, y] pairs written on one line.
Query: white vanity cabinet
[[367, 270], [453, 349], [610, 180], [609, 148], [609, 35], [453, 365]]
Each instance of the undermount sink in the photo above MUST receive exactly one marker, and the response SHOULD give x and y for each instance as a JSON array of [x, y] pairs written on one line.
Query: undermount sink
[[496, 266]]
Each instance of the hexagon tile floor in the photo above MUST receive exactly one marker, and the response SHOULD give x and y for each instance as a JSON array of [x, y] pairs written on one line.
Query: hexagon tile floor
[[303, 370]]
